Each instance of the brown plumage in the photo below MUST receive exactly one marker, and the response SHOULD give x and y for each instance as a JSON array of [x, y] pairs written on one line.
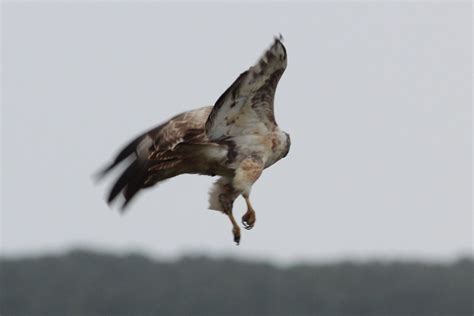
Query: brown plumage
[[236, 139]]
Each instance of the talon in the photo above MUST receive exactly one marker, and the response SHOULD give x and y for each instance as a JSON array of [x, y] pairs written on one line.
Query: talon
[[246, 225], [236, 233], [248, 220]]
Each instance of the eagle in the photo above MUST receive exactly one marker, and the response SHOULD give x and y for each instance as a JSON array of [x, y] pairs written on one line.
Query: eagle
[[235, 139]]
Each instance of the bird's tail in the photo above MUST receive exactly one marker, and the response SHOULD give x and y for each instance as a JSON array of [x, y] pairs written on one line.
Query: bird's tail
[[141, 171], [148, 166], [123, 155]]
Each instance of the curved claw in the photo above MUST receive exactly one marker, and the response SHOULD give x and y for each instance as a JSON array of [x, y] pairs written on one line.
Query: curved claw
[[237, 240], [236, 233], [248, 220], [246, 225]]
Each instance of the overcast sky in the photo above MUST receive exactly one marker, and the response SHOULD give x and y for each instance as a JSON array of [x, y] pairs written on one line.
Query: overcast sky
[[376, 97]]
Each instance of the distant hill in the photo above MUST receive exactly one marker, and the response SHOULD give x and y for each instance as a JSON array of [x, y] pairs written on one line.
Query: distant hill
[[84, 283]]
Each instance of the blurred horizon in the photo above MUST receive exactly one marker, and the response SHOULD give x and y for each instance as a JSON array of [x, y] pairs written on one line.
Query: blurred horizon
[[407, 258], [85, 283]]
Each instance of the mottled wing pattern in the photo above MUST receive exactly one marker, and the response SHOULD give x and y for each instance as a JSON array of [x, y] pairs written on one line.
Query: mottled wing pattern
[[156, 155], [249, 100], [185, 128]]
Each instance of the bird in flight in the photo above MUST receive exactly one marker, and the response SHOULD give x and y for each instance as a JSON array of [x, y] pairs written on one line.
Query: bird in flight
[[235, 139]]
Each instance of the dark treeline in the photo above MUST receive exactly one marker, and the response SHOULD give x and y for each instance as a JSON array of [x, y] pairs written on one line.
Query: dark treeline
[[90, 284]]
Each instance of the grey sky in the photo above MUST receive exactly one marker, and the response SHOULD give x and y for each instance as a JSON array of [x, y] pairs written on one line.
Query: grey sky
[[376, 97]]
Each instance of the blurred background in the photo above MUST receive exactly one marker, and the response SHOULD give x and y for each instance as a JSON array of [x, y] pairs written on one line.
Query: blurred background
[[370, 213]]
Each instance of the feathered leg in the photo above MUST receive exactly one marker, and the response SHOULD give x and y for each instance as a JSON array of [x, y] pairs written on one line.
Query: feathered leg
[[227, 205], [226, 190], [245, 176], [221, 198]]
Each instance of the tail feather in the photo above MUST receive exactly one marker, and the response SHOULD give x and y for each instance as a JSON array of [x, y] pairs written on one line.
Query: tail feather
[[136, 182], [121, 156], [130, 149], [150, 162], [122, 181], [140, 174]]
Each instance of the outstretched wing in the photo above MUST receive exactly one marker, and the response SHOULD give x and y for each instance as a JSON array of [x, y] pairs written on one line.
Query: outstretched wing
[[247, 104], [156, 155]]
